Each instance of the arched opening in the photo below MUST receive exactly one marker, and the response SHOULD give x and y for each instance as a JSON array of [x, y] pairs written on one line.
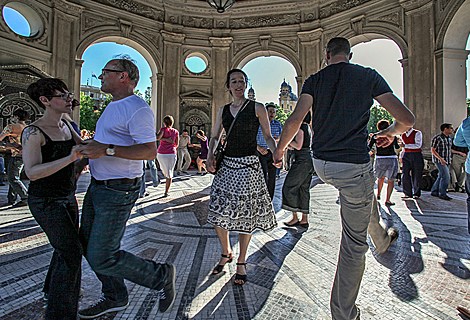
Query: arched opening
[[384, 56], [272, 79], [96, 55], [453, 62]]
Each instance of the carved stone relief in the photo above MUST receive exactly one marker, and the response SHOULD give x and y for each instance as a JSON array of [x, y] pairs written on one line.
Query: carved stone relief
[[291, 43], [339, 6], [131, 6], [237, 46], [393, 18], [197, 22], [265, 21]]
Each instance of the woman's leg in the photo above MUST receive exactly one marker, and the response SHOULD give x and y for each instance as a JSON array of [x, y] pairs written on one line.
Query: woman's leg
[[244, 240], [390, 185], [225, 243], [380, 183], [294, 219], [304, 218], [168, 184]]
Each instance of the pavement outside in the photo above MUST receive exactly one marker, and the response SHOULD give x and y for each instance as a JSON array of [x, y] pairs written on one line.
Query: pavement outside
[[424, 275]]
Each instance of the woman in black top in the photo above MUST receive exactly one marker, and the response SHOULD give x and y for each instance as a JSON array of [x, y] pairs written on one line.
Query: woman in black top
[[239, 199], [296, 188], [49, 154], [386, 164]]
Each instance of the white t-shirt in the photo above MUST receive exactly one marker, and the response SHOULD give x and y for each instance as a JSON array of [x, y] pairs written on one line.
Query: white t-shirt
[[124, 122]]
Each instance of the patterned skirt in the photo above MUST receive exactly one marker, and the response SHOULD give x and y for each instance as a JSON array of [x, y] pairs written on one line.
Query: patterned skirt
[[239, 198]]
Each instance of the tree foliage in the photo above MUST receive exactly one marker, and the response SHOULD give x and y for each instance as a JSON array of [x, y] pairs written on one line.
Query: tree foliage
[[377, 113], [89, 113], [468, 107], [281, 115]]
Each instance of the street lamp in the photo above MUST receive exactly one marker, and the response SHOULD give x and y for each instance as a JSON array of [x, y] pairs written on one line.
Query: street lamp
[[221, 5]]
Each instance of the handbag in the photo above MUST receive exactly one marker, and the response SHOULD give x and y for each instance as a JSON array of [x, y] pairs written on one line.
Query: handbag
[[219, 152]]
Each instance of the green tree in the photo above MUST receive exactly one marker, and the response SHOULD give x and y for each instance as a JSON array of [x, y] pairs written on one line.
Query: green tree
[[89, 113], [377, 113], [281, 115], [468, 107]]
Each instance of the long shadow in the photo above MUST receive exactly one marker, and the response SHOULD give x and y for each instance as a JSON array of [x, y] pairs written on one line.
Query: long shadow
[[449, 234], [402, 258]]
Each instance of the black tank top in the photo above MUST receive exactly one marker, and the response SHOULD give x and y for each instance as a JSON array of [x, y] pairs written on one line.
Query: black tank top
[[242, 139], [63, 182]]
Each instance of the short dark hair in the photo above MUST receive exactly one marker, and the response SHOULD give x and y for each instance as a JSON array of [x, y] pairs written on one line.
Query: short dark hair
[[200, 132], [383, 124], [227, 81], [46, 87], [168, 120], [338, 45], [445, 126], [125, 63], [184, 130], [22, 115], [308, 117], [270, 105]]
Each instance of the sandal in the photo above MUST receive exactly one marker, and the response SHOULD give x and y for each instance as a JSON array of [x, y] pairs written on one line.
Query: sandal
[[218, 268], [240, 277], [295, 224]]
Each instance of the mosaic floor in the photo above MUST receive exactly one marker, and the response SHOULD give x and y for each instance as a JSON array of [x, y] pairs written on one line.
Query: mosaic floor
[[424, 275]]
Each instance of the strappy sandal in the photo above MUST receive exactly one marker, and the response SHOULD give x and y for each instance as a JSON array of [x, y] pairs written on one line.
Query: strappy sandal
[[218, 268], [240, 277]]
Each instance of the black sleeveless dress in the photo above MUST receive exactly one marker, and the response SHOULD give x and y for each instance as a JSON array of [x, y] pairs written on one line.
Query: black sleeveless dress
[[239, 198]]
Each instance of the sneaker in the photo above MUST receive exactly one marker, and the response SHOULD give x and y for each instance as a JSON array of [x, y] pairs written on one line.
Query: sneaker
[[446, 197], [101, 307], [167, 294]]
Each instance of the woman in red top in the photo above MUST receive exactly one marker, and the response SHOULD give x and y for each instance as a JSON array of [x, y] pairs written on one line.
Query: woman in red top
[[166, 152]]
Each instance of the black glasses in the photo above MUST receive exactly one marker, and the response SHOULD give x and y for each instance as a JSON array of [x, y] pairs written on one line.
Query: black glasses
[[103, 71], [65, 96]]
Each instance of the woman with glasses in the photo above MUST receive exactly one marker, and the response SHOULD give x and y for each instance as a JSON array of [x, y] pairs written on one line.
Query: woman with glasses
[[49, 153], [239, 199]]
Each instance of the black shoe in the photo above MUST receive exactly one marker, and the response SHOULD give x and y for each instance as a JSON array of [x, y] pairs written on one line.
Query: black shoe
[[167, 294], [446, 197], [101, 307], [434, 195]]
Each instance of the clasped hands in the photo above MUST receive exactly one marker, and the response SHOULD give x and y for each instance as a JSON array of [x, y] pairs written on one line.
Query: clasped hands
[[92, 149]]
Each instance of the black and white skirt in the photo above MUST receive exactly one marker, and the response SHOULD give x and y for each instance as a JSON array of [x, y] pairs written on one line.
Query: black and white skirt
[[239, 198]]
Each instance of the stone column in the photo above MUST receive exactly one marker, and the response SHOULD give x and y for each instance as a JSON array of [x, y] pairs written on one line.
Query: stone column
[[76, 89], [451, 88], [157, 98], [311, 56], [420, 85], [404, 65], [220, 66], [300, 83], [172, 43]]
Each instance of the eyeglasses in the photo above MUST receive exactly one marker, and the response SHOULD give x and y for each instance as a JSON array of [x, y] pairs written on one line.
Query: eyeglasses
[[65, 96], [103, 71]]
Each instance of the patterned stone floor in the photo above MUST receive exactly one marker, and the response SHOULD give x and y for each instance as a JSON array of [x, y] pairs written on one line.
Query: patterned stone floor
[[424, 275]]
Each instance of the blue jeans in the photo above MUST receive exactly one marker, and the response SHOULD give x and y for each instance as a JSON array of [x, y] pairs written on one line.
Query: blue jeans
[[58, 217], [467, 189], [440, 186], [359, 215], [16, 186], [2, 168], [153, 174], [106, 209]]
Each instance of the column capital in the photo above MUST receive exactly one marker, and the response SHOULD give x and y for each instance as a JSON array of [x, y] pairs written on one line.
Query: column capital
[[221, 42], [79, 63], [458, 54], [415, 6], [311, 35], [172, 36]]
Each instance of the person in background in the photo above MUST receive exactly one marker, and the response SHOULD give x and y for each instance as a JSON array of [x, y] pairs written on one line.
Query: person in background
[[296, 188], [265, 155], [413, 163], [385, 164], [50, 154], [457, 167], [13, 131], [201, 159], [442, 157], [166, 152], [341, 95], [183, 152], [462, 139]]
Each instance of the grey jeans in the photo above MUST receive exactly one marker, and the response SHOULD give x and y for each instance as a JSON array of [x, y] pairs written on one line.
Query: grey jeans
[[359, 215]]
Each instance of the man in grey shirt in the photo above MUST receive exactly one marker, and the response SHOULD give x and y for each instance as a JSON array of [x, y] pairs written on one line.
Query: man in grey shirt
[[183, 153]]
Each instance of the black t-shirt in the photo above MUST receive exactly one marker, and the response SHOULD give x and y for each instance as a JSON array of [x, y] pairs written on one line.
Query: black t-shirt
[[385, 151], [342, 96]]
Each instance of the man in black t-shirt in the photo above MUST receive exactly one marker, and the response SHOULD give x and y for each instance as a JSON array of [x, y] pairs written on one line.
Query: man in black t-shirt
[[340, 96]]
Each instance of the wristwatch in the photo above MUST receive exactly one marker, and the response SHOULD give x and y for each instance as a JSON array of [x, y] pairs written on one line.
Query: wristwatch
[[110, 150]]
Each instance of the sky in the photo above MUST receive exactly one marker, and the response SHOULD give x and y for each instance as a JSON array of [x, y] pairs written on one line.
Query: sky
[[265, 73]]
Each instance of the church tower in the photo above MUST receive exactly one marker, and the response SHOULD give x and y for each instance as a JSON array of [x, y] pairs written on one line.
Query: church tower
[[287, 99], [251, 94]]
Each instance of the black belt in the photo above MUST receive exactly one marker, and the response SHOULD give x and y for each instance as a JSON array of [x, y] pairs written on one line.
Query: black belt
[[111, 182]]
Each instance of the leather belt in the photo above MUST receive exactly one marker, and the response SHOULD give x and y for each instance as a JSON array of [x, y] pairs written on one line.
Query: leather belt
[[111, 182]]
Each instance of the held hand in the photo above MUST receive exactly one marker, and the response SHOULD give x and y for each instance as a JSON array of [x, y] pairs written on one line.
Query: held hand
[[277, 157], [210, 162], [384, 138], [93, 149], [76, 153], [262, 150]]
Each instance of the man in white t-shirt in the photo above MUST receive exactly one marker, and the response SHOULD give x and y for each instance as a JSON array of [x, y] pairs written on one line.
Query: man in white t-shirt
[[125, 135]]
